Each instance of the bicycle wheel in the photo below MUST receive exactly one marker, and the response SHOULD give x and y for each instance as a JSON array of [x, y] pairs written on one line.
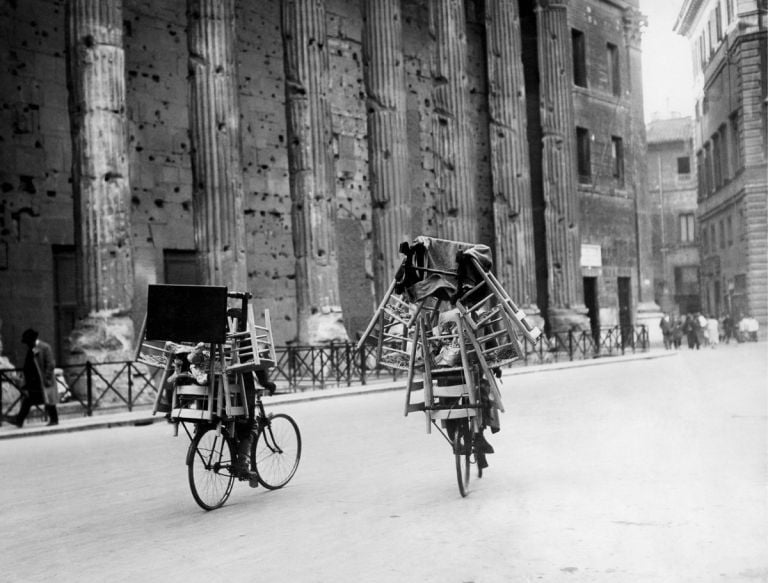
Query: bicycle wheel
[[462, 448], [209, 462], [276, 451]]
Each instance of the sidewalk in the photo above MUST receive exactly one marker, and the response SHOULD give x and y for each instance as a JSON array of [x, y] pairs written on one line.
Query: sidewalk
[[144, 415]]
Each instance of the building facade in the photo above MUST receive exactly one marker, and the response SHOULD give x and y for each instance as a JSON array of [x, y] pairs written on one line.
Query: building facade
[[673, 191], [729, 46], [289, 146]]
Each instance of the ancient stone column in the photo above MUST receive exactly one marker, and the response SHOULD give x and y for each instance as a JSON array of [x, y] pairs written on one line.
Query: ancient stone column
[[384, 72], [217, 176], [100, 182], [510, 166], [648, 311], [565, 289], [454, 162], [312, 171]]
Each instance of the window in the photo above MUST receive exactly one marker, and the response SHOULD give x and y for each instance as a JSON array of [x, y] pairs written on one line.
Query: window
[[729, 229], [729, 10], [722, 234], [724, 170], [713, 236], [617, 159], [719, 21], [700, 174], [735, 149], [702, 51], [614, 71], [704, 241], [583, 155], [579, 58], [687, 226], [709, 181], [716, 167], [684, 165]]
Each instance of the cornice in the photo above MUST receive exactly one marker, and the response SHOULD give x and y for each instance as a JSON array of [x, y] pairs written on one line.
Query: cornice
[[687, 15]]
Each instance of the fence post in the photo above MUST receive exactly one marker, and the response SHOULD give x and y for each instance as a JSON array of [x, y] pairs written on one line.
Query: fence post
[[130, 388], [361, 353], [570, 344], [89, 387]]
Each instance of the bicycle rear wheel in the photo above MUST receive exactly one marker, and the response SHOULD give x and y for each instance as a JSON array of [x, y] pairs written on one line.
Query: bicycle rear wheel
[[276, 451], [209, 461], [462, 448]]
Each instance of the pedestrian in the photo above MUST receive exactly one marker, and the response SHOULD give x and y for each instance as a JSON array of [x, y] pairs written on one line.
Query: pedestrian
[[690, 328], [702, 332], [677, 332], [727, 328], [39, 381], [666, 331], [713, 331], [752, 327]]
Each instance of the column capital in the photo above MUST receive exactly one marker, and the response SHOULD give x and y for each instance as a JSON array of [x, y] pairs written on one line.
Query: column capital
[[552, 4], [634, 22]]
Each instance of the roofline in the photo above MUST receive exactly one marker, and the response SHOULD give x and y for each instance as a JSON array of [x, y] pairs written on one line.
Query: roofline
[[686, 16]]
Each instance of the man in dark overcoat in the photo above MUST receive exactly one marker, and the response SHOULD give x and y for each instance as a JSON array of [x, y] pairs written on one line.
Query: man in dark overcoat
[[39, 381]]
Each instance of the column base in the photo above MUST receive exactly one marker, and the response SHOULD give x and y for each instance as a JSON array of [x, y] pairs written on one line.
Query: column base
[[649, 314], [325, 327], [571, 318], [99, 339]]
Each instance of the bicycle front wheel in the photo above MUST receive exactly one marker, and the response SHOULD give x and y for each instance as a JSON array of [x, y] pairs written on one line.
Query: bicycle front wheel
[[276, 451], [462, 447], [209, 461]]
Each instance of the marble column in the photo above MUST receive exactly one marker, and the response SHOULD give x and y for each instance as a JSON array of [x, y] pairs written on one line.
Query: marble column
[[510, 166], [312, 171], [217, 176], [454, 162], [565, 289], [100, 180], [384, 72]]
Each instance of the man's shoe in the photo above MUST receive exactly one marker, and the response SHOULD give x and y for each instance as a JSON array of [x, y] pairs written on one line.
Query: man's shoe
[[482, 463], [481, 445], [12, 421], [51, 423]]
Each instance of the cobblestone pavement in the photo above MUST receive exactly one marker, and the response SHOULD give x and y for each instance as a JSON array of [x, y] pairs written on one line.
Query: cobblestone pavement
[[642, 470]]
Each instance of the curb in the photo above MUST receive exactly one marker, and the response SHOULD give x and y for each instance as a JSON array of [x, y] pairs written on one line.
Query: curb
[[145, 417]]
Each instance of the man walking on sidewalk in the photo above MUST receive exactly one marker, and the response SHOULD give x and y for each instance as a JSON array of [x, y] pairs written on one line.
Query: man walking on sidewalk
[[39, 381]]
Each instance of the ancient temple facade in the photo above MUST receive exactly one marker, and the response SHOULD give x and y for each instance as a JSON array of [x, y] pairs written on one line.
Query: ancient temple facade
[[288, 147]]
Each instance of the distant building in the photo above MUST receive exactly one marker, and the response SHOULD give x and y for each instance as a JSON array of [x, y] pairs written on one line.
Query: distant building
[[729, 44], [288, 147], [673, 193]]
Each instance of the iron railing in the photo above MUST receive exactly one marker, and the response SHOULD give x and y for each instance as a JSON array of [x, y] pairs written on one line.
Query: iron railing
[[110, 386]]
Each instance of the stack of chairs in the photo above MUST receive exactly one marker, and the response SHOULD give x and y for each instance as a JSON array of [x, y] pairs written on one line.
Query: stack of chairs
[[242, 348], [448, 342]]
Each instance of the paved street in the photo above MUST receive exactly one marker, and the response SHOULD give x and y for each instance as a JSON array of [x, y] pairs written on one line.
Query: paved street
[[646, 471]]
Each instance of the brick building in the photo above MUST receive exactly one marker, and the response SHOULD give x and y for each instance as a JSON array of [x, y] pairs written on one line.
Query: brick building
[[289, 146], [729, 45], [673, 192]]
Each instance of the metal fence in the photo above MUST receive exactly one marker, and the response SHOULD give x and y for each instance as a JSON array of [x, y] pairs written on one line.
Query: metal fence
[[114, 386]]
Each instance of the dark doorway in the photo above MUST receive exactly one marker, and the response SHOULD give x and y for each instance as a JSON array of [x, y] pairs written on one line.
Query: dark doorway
[[625, 315], [180, 267], [64, 298], [593, 310]]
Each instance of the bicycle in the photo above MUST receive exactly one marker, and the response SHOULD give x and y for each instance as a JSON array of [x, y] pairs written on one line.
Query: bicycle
[[274, 456], [212, 355]]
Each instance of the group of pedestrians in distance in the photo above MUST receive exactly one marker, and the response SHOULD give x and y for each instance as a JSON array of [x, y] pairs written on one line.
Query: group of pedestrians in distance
[[700, 330]]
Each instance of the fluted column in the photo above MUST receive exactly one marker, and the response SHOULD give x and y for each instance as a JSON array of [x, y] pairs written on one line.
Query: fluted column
[[217, 191], [310, 161], [384, 71], [100, 181], [565, 290], [454, 166], [510, 165]]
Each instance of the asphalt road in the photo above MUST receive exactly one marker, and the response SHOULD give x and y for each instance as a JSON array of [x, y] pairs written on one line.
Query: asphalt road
[[654, 470]]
